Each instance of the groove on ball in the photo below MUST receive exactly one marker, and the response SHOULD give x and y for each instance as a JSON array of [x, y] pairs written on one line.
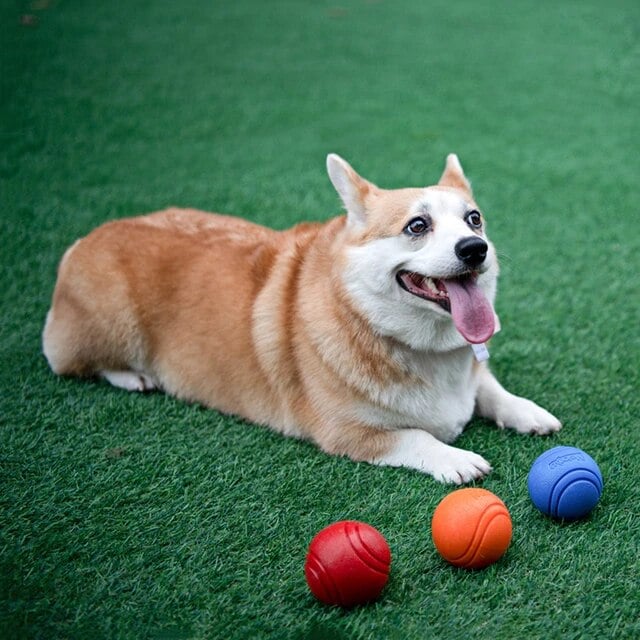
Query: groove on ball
[[571, 480], [364, 551], [329, 589], [482, 532]]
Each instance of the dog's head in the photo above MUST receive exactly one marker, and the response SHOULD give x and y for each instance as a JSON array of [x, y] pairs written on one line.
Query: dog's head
[[418, 262]]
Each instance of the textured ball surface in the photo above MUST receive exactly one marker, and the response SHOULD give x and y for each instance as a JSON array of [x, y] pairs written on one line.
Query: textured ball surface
[[471, 528], [565, 483], [348, 564]]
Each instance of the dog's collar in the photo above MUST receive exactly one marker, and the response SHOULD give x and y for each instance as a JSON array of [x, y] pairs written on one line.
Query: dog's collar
[[480, 352]]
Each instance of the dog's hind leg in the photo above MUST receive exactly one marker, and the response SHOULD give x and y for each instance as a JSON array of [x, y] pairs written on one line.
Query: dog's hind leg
[[129, 380], [92, 327]]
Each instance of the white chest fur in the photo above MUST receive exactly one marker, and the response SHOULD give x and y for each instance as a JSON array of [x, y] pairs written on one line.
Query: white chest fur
[[440, 399]]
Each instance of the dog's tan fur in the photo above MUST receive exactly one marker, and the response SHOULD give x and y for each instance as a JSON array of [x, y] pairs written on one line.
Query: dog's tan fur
[[259, 323]]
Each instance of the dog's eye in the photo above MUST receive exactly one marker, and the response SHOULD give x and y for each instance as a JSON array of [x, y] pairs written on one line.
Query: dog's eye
[[474, 219], [418, 226]]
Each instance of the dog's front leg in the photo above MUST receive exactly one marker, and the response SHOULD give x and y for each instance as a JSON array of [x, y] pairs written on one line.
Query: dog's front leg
[[420, 450], [412, 448], [493, 401]]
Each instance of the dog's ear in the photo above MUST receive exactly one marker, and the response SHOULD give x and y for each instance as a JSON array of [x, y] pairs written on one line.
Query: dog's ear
[[352, 188], [453, 175]]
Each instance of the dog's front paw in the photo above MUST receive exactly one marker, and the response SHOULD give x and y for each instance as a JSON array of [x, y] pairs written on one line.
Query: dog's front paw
[[525, 416], [494, 402], [458, 466]]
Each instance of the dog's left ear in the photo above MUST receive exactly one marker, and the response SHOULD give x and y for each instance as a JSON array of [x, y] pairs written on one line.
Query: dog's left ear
[[352, 188], [453, 175]]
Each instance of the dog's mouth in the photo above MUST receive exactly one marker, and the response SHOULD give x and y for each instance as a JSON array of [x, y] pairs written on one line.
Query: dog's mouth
[[470, 310], [432, 289]]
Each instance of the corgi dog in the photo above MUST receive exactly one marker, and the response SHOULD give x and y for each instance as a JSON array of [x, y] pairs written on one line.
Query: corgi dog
[[357, 334]]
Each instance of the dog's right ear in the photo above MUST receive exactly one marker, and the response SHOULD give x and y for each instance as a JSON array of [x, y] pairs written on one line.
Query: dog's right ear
[[352, 188], [453, 175]]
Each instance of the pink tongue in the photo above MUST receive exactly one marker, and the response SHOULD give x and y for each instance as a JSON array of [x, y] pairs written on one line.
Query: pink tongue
[[472, 313]]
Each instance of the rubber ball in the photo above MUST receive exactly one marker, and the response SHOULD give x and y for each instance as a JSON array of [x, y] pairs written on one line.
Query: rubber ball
[[471, 528], [565, 483], [348, 564]]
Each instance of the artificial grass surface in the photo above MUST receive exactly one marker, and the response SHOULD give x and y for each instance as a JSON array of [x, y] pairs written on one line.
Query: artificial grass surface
[[139, 516]]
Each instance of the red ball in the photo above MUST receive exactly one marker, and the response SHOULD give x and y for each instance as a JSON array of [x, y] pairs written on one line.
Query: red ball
[[471, 528], [348, 564]]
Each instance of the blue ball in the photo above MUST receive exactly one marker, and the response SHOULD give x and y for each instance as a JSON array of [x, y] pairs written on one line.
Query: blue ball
[[565, 483]]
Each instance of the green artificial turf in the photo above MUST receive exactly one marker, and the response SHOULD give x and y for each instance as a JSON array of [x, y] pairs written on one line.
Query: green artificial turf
[[129, 516]]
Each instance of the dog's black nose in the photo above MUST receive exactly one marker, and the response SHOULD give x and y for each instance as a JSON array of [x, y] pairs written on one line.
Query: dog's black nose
[[472, 250]]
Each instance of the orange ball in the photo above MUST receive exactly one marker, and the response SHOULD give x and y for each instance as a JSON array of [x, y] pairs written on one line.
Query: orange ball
[[471, 528]]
